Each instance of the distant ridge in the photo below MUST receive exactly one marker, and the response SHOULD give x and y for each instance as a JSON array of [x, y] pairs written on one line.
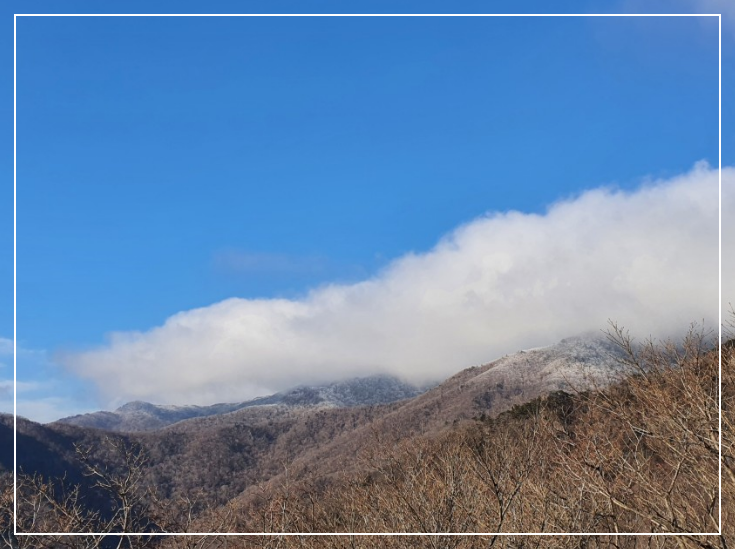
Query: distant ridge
[[138, 416]]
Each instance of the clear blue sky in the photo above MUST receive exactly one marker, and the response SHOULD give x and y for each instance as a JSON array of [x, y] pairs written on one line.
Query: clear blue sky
[[169, 163]]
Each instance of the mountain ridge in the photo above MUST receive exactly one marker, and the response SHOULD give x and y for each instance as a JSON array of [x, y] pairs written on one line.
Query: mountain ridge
[[248, 446], [140, 416]]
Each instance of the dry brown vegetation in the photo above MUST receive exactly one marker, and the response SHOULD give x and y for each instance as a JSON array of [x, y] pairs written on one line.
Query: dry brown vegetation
[[639, 456]]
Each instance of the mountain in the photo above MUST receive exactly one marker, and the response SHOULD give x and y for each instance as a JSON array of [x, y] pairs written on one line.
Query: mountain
[[446, 460], [315, 430], [140, 416], [314, 445], [322, 430]]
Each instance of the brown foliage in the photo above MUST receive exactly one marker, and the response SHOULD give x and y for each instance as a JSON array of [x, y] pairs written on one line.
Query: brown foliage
[[640, 456]]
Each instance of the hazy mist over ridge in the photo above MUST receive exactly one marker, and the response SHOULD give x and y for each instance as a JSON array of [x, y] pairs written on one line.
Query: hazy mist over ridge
[[647, 259]]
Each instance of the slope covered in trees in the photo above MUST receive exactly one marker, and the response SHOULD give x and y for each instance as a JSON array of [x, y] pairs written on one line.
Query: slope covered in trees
[[638, 456]]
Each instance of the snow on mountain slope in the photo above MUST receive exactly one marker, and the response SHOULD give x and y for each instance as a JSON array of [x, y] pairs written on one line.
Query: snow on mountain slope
[[143, 416], [574, 363]]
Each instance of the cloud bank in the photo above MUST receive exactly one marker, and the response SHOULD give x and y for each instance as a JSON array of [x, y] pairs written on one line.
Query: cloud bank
[[647, 259]]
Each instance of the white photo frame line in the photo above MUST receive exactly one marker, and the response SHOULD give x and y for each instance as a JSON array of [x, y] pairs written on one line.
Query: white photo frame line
[[361, 534]]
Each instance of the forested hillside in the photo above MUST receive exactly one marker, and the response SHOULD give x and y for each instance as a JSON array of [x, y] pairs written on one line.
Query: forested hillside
[[641, 455]]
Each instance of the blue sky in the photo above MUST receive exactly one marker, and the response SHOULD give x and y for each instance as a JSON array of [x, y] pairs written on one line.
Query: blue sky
[[167, 164]]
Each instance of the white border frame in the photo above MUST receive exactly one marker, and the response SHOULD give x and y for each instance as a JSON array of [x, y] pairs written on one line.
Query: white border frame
[[289, 534]]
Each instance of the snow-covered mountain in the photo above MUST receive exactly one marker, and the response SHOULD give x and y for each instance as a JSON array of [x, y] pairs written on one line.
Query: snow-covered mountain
[[575, 363], [144, 416], [579, 362]]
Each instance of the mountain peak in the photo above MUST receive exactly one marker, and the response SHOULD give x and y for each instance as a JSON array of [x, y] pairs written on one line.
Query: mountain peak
[[136, 406]]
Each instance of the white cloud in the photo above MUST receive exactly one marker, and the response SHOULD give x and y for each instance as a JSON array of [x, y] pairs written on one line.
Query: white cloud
[[647, 259], [43, 409], [31, 404], [42, 401]]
